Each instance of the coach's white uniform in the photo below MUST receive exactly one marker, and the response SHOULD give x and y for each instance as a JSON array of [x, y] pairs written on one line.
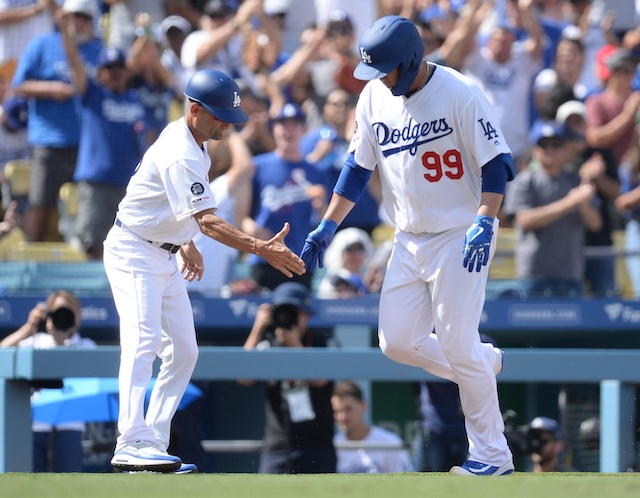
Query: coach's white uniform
[[169, 186], [429, 149]]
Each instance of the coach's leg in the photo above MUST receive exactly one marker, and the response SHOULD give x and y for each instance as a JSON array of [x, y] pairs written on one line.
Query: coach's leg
[[179, 353]]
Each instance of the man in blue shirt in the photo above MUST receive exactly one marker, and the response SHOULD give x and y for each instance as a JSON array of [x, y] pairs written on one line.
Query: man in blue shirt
[[43, 76], [112, 122]]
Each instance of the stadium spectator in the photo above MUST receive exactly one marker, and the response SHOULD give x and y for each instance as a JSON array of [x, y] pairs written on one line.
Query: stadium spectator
[[122, 20], [22, 21], [550, 207], [345, 263], [56, 323], [503, 68], [443, 438], [326, 147], [548, 440], [14, 144], [285, 187], [628, 205], [601, 169], [218, 42], [152, 81], [349, 412], [113, 121], [174, 30], [43, 76], [611, 114], [298, 433]]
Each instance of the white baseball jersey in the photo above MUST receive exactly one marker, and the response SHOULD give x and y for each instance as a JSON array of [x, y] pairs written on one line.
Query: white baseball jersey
[[170, 185], [373, 461], [430, 165]]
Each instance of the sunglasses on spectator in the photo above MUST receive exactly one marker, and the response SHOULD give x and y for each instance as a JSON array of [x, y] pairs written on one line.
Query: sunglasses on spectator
[[82, 16], [354, 248], [114, 66], [551, 144], [627, 69], [338, 103]]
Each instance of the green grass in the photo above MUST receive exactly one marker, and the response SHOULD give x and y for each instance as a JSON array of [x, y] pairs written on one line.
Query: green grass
[[431, 485]]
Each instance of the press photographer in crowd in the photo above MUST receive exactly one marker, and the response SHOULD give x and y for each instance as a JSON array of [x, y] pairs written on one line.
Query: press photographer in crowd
[[54, 323], [541, 440], [298, 433]]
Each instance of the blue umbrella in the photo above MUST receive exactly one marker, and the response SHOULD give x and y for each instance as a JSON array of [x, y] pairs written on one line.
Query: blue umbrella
[[89, 400]]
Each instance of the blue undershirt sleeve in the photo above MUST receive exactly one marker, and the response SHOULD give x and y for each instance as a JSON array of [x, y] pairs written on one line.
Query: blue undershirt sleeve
[[496, 173], [353, 180]]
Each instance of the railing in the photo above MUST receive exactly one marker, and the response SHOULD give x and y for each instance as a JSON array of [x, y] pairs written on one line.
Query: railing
[[615, 370]]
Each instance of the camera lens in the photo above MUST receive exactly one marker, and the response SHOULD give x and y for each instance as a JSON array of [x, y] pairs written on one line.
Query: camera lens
[[63, 318]]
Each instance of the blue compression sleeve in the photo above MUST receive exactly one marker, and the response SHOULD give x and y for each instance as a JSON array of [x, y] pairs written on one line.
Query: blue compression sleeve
[[353, 180], [496, 173]]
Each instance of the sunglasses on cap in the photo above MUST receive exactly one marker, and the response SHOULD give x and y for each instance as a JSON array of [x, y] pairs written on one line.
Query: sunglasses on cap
[[551, 143]]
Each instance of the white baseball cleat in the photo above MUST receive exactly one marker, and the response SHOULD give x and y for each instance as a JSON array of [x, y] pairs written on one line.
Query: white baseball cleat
[[144, 455], [473, 468]]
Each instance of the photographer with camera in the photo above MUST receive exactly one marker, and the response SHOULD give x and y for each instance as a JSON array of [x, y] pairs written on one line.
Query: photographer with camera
[[541, 440], [54, 323], [298, 433]]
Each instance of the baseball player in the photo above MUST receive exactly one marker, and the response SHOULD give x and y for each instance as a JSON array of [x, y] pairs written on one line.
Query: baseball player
[[168, 201], [444, 165]]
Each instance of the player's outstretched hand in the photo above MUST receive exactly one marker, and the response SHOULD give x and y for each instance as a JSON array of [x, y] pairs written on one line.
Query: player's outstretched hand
[[477, 243], [316, 244], [192, 266], [278, 255]]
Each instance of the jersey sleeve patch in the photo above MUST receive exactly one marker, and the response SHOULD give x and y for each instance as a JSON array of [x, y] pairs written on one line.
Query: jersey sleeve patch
[[197, 188]]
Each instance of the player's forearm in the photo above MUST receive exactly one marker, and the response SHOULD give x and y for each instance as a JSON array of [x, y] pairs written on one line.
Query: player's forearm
[[490, 203], [339, 208]]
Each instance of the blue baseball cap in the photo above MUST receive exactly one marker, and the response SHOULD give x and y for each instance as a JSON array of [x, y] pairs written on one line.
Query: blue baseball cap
[[16, 113], [292, 293], [289, 111], [109, 56], [546, 424], [546, 129]]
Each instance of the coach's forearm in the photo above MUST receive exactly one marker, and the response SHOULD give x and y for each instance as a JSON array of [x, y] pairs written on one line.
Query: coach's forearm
[[218, 229]]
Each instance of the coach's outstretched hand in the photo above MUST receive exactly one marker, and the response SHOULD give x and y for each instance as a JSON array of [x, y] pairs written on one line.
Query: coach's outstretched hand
[[477, 243], [278, 255], [316, 244]]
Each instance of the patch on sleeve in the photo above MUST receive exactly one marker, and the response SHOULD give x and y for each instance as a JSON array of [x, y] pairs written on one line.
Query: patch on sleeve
[[200, 200], [197, 188]]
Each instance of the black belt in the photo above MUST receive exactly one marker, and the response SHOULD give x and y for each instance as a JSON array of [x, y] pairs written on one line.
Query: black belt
[[172, 248]]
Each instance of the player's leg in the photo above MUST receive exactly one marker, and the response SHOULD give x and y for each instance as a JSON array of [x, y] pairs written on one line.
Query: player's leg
[[460, 297], [179, 353], [405, 337]]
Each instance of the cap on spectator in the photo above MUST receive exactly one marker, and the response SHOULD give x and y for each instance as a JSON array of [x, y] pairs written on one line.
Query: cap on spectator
[[339, 22], [433, 13], [352, 280], [276, 7], [289, 111], [619, 58], [546, 424], [543, 130], [87, 7], [292, 293], [570, 108], [602, 71], [16, 113], [109, 56], [220, 8], [175, 22]]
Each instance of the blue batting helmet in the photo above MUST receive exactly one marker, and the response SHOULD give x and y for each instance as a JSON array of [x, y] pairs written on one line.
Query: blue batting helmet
[[217, 93], [390, 42]]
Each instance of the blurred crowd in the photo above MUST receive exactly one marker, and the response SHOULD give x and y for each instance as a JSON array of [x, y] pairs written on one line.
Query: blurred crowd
[[86, 86]]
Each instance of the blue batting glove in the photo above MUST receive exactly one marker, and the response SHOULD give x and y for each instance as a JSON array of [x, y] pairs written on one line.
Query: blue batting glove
[[477, 243], [316, 244]]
